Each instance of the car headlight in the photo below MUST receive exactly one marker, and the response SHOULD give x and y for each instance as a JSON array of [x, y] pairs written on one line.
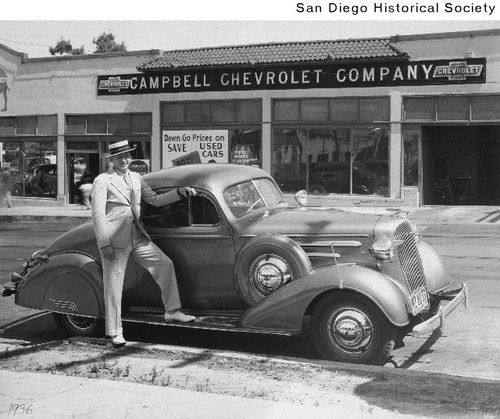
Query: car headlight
[[418, 230], [383, 250]]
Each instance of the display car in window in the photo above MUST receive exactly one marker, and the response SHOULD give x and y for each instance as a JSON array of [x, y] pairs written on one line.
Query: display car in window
[[44, 180], [249, 261], [336, 178]]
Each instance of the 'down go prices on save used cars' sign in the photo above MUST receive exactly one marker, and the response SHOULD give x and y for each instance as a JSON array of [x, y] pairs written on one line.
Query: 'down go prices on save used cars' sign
[[188, 147]]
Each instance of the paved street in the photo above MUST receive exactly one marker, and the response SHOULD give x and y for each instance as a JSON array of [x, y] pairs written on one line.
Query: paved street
[[466, 348]]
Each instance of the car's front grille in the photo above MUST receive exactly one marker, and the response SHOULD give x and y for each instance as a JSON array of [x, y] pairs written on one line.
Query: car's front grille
[[409, 257]]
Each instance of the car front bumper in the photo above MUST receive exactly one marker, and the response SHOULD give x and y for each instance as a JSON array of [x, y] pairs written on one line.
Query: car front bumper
[[455, 296]]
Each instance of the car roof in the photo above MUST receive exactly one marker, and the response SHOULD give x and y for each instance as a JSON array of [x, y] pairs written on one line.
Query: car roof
[[210, 176]]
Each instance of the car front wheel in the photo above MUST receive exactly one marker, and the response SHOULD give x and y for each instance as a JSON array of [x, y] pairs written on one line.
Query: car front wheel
[[351, 330], [79, 325]]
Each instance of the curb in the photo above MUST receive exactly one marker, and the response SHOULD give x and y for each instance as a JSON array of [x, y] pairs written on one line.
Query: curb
[[13, 349]]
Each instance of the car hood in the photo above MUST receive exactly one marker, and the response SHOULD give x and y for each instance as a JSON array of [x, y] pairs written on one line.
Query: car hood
[[313, 221]]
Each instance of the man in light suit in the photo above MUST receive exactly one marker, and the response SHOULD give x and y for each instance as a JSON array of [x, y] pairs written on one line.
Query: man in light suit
[[116, 200]]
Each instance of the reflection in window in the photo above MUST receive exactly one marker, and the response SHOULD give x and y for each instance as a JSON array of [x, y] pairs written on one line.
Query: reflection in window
[[32, 167], [246, 197], [410, 157], [197, 210], [245, 147], [332, 160]]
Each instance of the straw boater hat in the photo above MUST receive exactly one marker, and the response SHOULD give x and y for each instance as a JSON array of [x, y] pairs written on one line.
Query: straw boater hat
[[119, 147]]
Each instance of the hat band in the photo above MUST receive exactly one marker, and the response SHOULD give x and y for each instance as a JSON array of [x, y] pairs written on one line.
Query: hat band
[[119, 149]]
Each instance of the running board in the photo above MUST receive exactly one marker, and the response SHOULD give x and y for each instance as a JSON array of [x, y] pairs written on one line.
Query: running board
[[217, 323]]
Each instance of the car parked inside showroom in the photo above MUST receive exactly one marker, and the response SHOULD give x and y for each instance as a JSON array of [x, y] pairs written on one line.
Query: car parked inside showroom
[[247, 260]]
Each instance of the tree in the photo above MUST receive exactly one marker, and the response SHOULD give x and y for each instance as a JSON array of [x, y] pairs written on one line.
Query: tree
[[65, 47], [106, 43]]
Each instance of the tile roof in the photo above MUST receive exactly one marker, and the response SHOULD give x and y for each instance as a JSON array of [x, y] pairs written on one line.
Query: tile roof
[[298, 52]]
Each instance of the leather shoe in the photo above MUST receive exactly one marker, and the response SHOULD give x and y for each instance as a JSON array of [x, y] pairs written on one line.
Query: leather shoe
[[118, 341], [179, 316]]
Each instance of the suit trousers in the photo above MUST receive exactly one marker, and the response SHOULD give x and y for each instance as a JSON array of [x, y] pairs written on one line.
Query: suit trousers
[[148, 255]]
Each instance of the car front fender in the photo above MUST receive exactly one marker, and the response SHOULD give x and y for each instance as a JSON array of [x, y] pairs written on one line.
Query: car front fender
[[436, 274], [284, 309], [66, 283]]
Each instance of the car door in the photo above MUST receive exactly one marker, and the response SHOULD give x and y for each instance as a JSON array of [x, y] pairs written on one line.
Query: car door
[[195, 234]]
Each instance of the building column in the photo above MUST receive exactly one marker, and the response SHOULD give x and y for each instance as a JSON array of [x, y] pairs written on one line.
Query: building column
[[61, 161], [266, 133], [155, 157], [395, 146]]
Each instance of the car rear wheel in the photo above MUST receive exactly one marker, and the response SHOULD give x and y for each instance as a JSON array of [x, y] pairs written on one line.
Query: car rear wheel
[[266, 263], [351, 330], [79, 325]]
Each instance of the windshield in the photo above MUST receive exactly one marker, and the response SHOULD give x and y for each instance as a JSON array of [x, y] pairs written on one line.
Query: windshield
[[249, 196]]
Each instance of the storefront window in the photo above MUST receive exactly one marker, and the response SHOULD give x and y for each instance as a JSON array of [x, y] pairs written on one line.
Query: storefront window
[[197, 112], [371, 109], [343, 109], [248, 111], [32, 165], [420, 108], [119, 124], [134, 123], [7, 126], [75, 124], [223, 112], [174, 113], [47, 125], [410, 157], [350, 160], [453, 108], [212, 131], [245, 147], [97, 124], [26, 125], [286, 110], [486, 108], [141, 123], [314, 110]]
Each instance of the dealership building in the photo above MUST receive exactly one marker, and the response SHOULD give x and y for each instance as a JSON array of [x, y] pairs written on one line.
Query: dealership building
[[404, 120]]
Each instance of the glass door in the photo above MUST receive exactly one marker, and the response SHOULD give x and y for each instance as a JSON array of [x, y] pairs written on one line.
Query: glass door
[[83, 167]]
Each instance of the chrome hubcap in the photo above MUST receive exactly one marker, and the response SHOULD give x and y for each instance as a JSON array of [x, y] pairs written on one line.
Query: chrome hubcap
[[350, 330], [268, 273]]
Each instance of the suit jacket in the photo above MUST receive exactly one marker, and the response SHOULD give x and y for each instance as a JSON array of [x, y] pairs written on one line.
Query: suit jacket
[[114, 212]]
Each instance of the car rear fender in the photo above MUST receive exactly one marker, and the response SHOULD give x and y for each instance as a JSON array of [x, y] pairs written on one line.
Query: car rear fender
[[284, 309], [66, 283]]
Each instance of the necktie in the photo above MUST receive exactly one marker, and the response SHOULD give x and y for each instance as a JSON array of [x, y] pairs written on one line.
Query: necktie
[[127, 179]]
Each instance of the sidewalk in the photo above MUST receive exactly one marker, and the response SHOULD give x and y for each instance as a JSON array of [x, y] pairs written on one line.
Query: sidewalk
[[63, 381], [43, 213], [426, 215], [42, 395]]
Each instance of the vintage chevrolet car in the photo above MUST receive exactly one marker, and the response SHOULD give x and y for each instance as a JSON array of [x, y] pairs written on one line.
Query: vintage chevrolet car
[[249, 261]]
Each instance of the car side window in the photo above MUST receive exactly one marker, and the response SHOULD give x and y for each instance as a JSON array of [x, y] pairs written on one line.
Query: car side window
[[203, 211], [198, 210], [169, 216]]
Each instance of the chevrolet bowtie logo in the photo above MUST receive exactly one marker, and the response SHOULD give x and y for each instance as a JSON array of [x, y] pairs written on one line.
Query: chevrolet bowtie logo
[[458, 70], [114, 84]]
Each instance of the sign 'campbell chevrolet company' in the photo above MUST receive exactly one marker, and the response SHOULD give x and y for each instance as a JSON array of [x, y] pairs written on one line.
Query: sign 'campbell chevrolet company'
[[471, 70]]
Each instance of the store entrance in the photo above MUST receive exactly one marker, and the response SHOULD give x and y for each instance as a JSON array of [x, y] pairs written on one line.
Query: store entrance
[[83, 167], [461, 165]]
